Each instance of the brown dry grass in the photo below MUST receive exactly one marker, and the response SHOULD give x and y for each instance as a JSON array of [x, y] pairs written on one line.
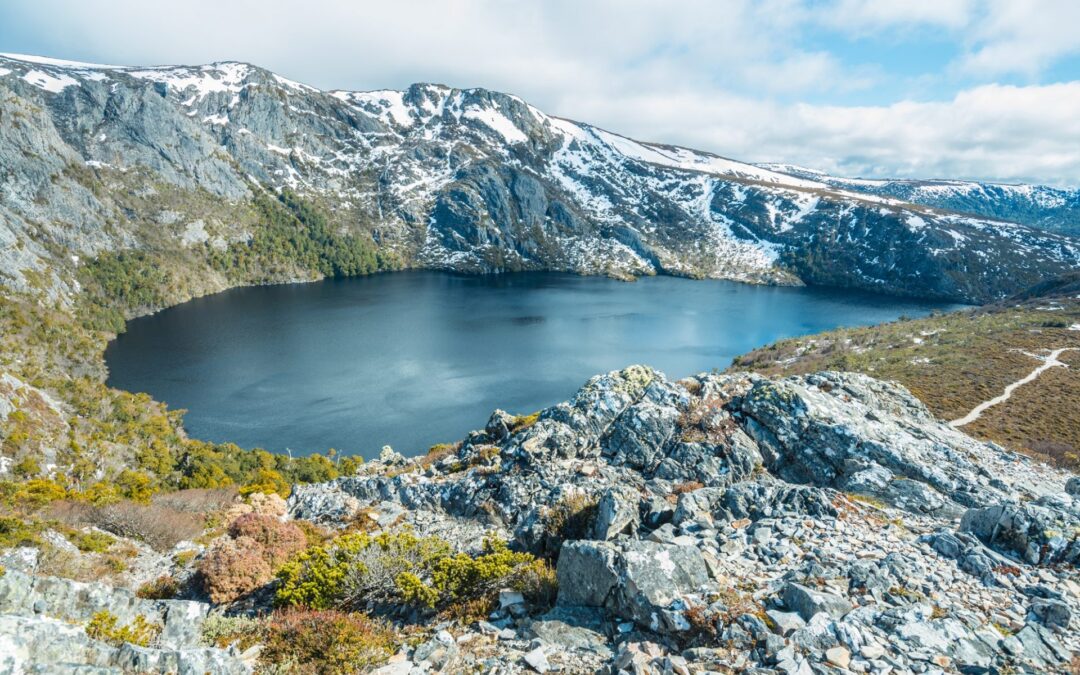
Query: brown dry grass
[[198, 500], [159, 526]]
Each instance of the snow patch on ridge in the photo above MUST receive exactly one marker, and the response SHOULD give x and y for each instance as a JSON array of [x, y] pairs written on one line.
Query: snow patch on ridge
[[51, 83], [498, 122], [205, 80]]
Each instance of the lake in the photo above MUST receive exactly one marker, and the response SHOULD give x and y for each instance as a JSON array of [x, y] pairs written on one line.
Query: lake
[[411, 359]]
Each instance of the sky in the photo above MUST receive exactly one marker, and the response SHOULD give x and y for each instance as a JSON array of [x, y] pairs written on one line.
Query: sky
[[974, 89]]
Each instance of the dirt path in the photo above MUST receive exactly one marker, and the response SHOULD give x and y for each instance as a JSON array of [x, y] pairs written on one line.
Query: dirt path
[[1049, 362]]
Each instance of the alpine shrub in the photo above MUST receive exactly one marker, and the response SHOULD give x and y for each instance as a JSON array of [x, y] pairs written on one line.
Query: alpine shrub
[[233, 568]]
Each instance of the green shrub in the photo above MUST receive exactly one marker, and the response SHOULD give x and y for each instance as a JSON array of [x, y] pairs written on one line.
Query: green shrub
[[92, 541], [18, 532], [103, 626], [463, 577], [38, 492], [356, 569], [27, 467]]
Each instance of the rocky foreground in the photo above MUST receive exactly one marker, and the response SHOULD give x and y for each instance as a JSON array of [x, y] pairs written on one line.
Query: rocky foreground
[[723, 523]]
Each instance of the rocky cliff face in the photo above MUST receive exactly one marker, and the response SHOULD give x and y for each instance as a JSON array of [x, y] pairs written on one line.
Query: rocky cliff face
[[100, 158], [739, 522]]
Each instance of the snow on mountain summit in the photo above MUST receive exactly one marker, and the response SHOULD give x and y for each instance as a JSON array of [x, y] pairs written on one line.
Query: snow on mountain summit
[[477, 180]]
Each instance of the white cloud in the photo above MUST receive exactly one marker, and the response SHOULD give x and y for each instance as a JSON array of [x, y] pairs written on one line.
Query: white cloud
[[994, 132], [725, 76], [1023, 37]]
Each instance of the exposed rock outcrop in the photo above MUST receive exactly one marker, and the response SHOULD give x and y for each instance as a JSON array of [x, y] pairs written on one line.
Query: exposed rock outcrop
[[737, 521], [42, 621]]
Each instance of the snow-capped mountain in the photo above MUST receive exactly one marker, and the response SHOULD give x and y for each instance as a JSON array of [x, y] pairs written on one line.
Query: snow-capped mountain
[[103, 157], [1050, 208]]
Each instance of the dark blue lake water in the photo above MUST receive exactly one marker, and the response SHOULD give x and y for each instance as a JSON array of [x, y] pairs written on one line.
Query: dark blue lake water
[[414, 358]]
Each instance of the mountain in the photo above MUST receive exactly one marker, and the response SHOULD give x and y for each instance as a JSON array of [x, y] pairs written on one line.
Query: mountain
[[1054, 209], [176, 162]]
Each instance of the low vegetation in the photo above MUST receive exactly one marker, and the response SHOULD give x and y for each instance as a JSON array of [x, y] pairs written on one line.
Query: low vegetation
[[309, 641], [358, 571], [162, 588], [105, 626], [572, 517], [256, 546]]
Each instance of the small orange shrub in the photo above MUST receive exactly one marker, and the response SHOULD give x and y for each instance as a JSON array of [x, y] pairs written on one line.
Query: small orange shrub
[[233, 568], [279, 540], [325, 641], [162, 588]]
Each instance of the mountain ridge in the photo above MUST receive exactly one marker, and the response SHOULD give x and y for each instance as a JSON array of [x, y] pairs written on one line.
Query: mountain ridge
[[469, 180], [1053, 208]]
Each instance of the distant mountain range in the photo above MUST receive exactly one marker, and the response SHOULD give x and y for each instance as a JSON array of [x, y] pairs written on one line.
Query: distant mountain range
[[103, 158]]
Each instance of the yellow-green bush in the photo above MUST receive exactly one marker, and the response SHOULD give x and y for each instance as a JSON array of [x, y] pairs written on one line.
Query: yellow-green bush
[[357, 570], [18, 532], [267, 481], [92, 541], [463, 577], [103, 626]]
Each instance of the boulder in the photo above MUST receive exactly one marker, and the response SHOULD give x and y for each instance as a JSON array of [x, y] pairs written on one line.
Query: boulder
[[642, 581], [1039, 535], [498, 425], [786, 622], [571, 629], [809, 602], [29, 642], [25, 595], [617, 512], [1052, 612], [1040, 647]]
